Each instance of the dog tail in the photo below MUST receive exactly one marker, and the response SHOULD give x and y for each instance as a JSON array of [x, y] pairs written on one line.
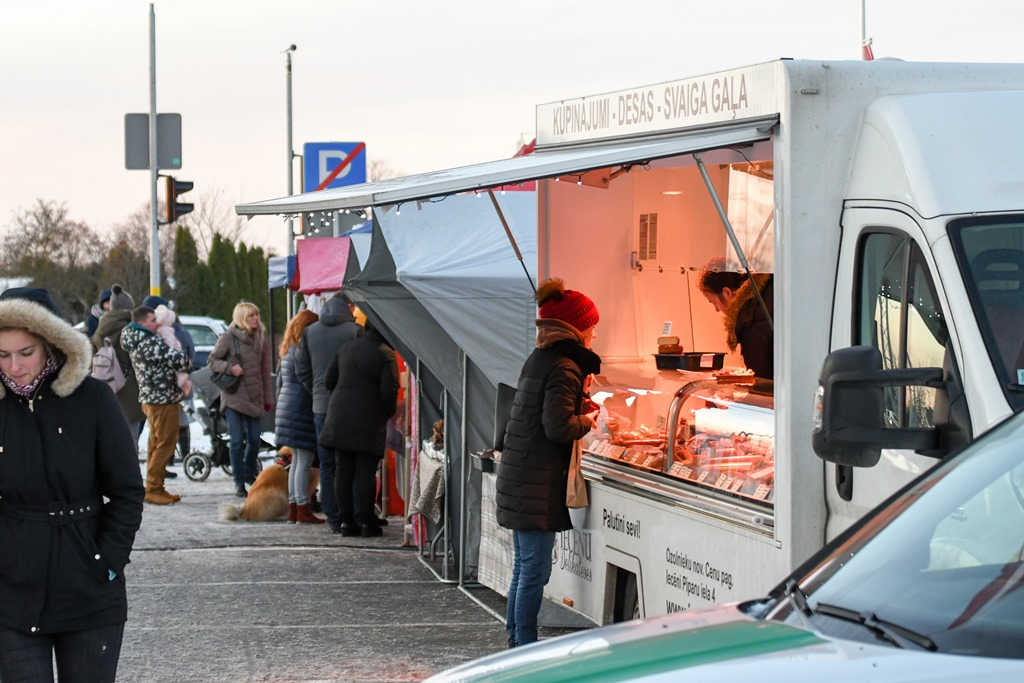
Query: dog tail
[[230, 512]]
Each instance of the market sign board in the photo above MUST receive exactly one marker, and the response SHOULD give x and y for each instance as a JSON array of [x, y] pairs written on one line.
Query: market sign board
[[717, 98]]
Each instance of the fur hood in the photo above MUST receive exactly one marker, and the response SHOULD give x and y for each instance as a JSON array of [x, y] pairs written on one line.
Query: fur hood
[[56, 332], [744, 295]]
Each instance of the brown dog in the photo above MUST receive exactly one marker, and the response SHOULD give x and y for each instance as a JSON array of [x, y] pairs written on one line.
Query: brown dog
[[268, 497]]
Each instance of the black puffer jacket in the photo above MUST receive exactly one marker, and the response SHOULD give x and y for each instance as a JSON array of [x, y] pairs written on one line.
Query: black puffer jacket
[[544, 422], [64, 451], [363, 381], [293, 416]]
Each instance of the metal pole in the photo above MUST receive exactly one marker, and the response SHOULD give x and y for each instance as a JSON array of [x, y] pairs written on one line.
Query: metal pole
[[291, 160], [154, 239]]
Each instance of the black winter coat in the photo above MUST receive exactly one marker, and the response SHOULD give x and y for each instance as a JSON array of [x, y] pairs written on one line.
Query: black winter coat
[[293, 416], [319, 345], [61, 454], [544, 423], [363, 381]]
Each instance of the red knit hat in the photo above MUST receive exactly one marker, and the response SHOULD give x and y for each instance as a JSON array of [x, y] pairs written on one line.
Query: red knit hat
[[569, 306]]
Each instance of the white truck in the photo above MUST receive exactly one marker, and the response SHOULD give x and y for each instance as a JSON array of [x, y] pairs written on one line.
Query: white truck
[[887, 201]]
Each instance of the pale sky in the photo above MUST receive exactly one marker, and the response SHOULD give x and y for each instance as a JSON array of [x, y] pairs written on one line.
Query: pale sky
[[426, 85]]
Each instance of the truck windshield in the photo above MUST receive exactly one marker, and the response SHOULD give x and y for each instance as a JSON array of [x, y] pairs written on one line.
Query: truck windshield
[[990, 252], [939, 569]]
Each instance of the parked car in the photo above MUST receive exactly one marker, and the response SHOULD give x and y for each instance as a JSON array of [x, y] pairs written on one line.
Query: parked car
[[205, 332], [926, 587]]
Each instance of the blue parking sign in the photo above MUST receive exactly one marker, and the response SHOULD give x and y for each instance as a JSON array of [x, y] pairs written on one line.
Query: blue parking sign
[[320, 159]]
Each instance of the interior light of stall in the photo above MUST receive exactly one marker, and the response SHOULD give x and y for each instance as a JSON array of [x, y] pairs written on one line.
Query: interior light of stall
[[579, 181], [672, 193], [398, 210], [503, 190]]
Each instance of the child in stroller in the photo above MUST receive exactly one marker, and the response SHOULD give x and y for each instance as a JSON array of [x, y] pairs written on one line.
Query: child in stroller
[[198, 463]]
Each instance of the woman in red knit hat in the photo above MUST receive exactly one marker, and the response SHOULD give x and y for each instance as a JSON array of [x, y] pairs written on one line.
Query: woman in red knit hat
[[547, 417]]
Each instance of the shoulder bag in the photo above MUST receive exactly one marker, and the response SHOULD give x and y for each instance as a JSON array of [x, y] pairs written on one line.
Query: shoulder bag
[[225, 381]]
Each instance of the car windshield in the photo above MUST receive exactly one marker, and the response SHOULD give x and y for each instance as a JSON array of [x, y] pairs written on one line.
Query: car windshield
[[940, 568], [990, 252]]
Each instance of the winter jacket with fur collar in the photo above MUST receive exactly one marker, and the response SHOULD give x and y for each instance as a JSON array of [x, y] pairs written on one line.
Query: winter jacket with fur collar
[[544, 422], [62, 453], [747, 326]]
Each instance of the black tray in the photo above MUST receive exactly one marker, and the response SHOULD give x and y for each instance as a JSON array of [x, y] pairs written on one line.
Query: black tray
[[693, 361]]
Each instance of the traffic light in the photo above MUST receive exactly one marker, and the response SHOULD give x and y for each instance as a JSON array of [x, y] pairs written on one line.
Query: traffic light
[[174, 209]]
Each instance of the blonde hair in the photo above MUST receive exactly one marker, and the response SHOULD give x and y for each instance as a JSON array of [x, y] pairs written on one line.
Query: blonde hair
[[243, 310], [296, 326]]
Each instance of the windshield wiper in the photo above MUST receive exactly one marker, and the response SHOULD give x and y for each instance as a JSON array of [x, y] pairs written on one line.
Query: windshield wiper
[[893, 633], [1013, 386]]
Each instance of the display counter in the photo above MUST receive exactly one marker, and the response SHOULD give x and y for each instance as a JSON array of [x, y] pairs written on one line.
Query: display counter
[[700, 440]]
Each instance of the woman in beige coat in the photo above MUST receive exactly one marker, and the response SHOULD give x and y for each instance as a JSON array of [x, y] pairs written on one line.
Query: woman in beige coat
[[244, 406]]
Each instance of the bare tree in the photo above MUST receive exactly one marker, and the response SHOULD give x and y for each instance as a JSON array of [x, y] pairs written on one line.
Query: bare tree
[[57, 253], [380, 169], [213, 214]]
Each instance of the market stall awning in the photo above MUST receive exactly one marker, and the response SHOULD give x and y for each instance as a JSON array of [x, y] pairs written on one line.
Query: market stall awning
[[280, 271], [321, 263], [541, 164]]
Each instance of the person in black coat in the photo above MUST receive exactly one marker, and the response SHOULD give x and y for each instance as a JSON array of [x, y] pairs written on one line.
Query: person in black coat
[[747, 324], [547, 417], [363, 381], [70, 500]]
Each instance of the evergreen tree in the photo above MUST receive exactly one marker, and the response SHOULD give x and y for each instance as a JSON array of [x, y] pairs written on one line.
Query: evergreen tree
[[223, 268], [187, 295]]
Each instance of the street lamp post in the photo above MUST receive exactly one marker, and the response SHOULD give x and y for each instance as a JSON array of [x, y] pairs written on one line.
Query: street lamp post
[[291, 163]]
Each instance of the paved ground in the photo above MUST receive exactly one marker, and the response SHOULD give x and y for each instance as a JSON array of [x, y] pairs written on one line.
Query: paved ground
[[212, 600]]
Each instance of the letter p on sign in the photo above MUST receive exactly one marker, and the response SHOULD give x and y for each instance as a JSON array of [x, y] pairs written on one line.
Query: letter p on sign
[[321, 161]]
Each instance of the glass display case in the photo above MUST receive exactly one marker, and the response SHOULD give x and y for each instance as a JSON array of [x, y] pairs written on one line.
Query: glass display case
[[706, 434]]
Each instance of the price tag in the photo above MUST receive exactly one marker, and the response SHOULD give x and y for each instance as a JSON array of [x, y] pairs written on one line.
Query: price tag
[[761, 492], [666, 328], [720, 483], [703, 475]]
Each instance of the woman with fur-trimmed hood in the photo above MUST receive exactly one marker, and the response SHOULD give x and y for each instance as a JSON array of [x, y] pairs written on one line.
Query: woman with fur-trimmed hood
[[70, 499], [747, 325]]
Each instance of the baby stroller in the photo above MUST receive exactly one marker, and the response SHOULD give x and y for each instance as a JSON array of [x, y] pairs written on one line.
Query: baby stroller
[[199, 463]]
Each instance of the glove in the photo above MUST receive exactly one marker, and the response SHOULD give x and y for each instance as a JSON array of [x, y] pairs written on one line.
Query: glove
[[267, 407]]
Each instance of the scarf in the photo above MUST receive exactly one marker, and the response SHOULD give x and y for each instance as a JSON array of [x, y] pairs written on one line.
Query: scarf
[[27, 390]]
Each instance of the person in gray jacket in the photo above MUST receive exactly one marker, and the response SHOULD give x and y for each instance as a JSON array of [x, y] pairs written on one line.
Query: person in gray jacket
[[320, 342]]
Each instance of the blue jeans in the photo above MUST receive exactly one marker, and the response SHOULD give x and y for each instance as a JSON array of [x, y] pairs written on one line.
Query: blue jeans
[[531, 569], [327, 467], [244, 434], [82, 656]]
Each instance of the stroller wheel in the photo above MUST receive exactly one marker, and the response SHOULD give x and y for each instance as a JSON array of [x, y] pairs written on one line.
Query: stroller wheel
[[197, 466], [227, 467]]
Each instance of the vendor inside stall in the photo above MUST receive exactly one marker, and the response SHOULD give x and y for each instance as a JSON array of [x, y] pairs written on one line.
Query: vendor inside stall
[[746, 315]]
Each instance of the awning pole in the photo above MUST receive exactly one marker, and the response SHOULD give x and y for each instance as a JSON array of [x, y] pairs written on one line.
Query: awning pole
[[732, 235], [511, 239]]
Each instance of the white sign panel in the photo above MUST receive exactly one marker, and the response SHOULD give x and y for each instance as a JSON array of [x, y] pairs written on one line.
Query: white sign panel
[[738, 94]]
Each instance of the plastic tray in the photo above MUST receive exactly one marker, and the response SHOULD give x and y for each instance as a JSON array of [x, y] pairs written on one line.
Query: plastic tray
[[693, 361]]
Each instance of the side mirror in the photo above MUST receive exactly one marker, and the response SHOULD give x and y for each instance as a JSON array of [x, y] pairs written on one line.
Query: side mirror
[[849, 427]]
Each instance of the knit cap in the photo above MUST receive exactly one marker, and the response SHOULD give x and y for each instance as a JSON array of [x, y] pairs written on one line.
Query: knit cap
[[567, 305], [154, 300], [121, 300]]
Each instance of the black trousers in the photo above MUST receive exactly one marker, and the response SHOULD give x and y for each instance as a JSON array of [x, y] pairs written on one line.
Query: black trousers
[[88, 656], [355, 487]]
